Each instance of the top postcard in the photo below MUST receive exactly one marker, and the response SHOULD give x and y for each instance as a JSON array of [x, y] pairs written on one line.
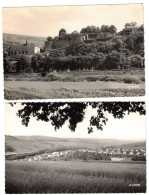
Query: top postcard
[[63, 52]]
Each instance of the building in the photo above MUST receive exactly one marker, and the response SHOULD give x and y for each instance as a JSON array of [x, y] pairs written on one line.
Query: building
[[90, 37], [24, 49], [132, 28], [63, 42]]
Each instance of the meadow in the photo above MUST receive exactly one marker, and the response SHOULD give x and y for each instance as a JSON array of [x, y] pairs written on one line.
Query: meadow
[[74, 177], [75, 84], [135, 76]]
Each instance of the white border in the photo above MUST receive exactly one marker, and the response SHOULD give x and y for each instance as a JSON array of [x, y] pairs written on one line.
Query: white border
[[16, 3]]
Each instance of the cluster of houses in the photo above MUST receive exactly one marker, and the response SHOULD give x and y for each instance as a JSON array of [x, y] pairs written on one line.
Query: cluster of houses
[[122, 151], [86, 153]]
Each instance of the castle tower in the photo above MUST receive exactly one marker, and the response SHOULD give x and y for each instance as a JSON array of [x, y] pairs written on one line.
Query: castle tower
[[47, 45]]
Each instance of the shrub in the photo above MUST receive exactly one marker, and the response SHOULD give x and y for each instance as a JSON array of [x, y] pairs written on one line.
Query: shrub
[[136, 61], [55, 76], [112, 60], [131, 79], [138, 158]]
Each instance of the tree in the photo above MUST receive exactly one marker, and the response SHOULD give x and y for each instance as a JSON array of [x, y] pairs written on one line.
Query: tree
[[73, 113], [34, 63], [118, 44], [90, 29], [105, 28], [23, 63], [6, 63], [49, 38], [139, 44], [62, 32], [141, 28], [130, 42], [112, 29], [113, 60], [136, 61], [130, 24], [127, 24]]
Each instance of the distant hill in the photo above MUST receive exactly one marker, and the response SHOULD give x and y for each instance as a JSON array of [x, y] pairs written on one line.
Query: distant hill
[[34, 143], [134, 145], [38, 41]]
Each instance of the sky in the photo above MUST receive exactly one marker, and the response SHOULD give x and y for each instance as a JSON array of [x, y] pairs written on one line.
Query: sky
[[47, 21], [131, 127]]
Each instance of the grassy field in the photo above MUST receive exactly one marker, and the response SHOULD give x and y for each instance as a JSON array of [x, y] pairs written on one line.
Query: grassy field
[[75, 84], [74, 177], [127, 76]]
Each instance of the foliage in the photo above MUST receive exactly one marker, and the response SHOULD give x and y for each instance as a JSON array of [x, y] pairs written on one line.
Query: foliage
[[90, 29], [23, 63], [131, 79], [49, 38], [34, 63], [136, 61], [94, 29], [112, 60], [6, 63], [138, 158], [59, 113], [57, 53], [118, 44], [130, 24], [106, 28], [93, 61]]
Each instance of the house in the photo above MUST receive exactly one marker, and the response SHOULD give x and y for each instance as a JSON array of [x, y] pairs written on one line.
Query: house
[[24, 49], [132, 28], [90, 37]]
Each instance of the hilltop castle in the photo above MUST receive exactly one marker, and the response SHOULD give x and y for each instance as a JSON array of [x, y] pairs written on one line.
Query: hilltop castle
[[65, 40]]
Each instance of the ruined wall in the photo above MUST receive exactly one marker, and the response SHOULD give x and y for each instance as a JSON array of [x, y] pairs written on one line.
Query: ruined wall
[[47, 45], [92, 35], [62, 43]]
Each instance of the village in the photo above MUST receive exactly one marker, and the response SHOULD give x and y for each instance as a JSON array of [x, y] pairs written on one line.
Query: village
[[105, 153]]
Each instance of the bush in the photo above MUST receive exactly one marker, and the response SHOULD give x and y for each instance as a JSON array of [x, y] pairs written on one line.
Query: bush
[[131, 79], [112, 60], [139, 158], [136, 61], [55, 76], [23, 63]]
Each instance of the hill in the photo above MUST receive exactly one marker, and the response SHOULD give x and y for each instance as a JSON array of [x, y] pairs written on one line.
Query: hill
[[38, 41], [34, 143], [134, 145]]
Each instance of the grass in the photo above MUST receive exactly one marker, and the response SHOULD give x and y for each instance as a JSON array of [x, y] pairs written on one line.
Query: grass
[[75, 84], [132, 79], [77, 76], [74, 93], [74, 177]]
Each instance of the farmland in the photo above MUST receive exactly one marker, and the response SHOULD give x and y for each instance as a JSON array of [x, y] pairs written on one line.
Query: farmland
[[74, 177]]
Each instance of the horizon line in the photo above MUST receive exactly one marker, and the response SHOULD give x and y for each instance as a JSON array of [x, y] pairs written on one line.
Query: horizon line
[[142, 140]]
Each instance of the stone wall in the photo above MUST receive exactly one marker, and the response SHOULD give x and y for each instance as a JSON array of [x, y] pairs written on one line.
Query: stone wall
[[62, 43], [47, 45]]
